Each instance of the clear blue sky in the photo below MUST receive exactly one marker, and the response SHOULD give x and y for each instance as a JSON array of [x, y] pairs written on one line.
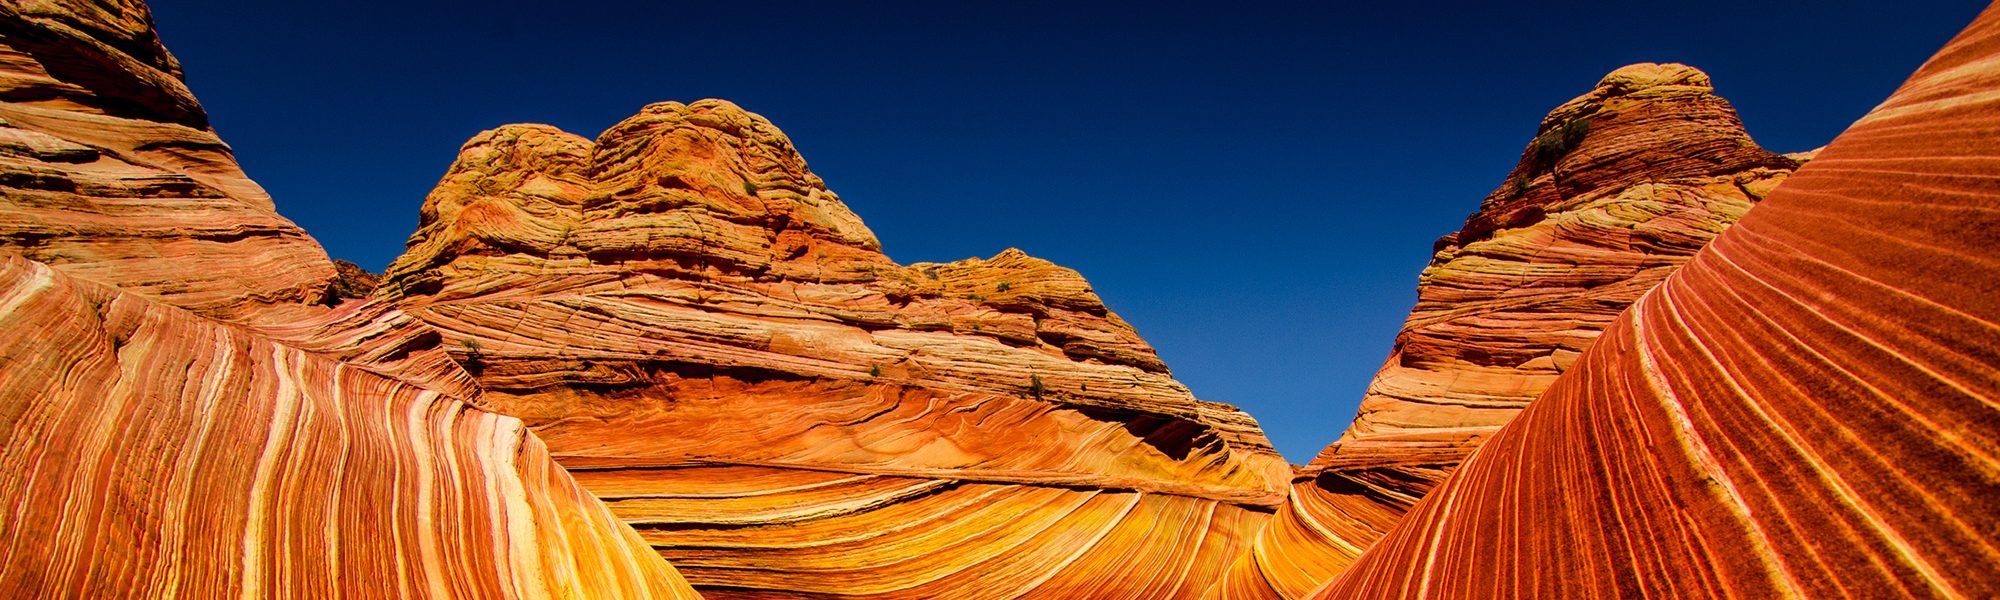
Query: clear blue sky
[[1254, 186]]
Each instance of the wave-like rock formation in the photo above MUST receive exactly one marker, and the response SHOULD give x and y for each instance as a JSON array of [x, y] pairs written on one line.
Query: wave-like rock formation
[[180, 413], [718, 348], [1618, 189], [1810, 407], [670, 359], [152, 453]]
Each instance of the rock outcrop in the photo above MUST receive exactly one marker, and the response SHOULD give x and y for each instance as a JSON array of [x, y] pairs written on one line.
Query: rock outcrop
[[718, 348], [670, 359], [1805, 409], [109, 170], [1617, 190], [181, 413], [150, 453]]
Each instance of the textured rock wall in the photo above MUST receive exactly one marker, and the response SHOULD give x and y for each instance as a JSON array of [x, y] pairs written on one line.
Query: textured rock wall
[[150, 452], [719, 348], [1806, 409], [1620, 186], [110, 172], [268, 446]]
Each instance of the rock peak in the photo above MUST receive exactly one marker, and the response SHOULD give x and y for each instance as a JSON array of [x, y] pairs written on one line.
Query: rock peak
[[676, 187], [1641, 76]]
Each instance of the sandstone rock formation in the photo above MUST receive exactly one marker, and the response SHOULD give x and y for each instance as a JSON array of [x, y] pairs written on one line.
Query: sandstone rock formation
[[109, 171], [180, 414], [603, 365], [1618, 189], [714, 344], [1806, 409], [150, 452]]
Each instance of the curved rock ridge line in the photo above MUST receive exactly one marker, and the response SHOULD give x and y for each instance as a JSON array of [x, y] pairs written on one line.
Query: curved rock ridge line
[[1809, 408], [148, 452], [1618, 189], [297, 450], [110, 172], [681, 303], [840, 535]]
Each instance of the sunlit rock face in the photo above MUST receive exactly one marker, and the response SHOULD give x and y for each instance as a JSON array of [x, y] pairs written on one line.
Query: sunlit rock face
[[185, 409], [1618, 189], [1807, 408], [109, 170], [152, 453], [718, 348]]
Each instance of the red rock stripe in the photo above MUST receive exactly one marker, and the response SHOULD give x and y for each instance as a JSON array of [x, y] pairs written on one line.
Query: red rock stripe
[[1811, 407]]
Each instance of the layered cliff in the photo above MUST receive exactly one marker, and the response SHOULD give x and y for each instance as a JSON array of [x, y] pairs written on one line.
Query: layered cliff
[[1807, 408], [181, 412], [672, 346], [109, 170], [1619, 187], [717, 347]]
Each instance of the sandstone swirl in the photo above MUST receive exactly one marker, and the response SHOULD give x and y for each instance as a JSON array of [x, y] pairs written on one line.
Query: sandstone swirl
[[717, 347], [1619, 188], [1806, 409], [154, 453], [180, 416]]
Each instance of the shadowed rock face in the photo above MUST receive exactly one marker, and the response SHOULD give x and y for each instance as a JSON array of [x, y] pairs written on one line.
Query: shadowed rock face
[[718, 348], [181, 413], [1805, 409], [1618, 189]]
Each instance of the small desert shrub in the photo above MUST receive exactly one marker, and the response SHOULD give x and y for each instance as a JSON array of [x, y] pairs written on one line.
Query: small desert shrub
[[749, 189], [1004, 286], [475, 358], [1035, 386], [1557, 142]]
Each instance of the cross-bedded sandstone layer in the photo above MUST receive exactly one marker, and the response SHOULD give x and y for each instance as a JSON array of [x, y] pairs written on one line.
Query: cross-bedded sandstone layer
[[1620, 186], [712, 361], [181, 415], [718, 347], [1810, 407], [109, 170], [154, 453]]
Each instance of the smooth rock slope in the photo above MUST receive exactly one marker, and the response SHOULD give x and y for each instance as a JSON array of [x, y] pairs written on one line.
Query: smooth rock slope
[[1619, 188], [154, 453], [1809, 408]]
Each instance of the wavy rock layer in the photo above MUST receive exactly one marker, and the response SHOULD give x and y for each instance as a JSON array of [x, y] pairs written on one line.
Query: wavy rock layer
[[695, 323], [269, 446], [1810, 407], [109, 171], [150, 452], [1620, 187]]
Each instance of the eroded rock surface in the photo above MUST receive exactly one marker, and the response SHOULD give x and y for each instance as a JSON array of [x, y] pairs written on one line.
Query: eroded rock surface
[[109, 170], [150, 453], [1806, 409], [1618, 189], [185, 409], [718, 348]]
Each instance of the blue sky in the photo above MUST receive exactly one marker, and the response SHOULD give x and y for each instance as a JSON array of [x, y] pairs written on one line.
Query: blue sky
[[1253, 186]]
